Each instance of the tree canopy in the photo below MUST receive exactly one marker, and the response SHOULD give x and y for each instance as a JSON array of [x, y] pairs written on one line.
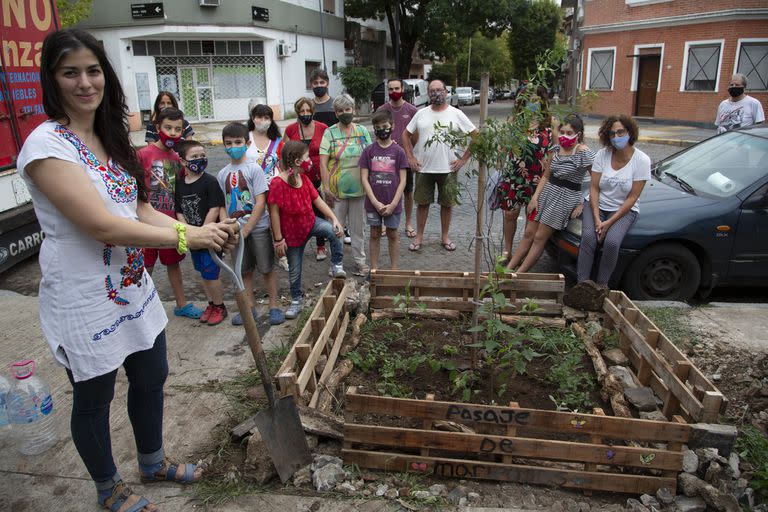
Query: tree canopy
[[73, 11], [532, 32]]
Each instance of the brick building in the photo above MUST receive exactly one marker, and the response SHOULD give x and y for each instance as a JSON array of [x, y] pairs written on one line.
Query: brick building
[[669, 60]]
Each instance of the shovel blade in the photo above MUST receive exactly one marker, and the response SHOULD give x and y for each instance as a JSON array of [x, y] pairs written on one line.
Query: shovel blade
[[280, 428]]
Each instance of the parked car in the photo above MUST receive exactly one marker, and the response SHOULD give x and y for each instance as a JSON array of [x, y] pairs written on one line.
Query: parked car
[[703, 222], [453, 98], [476, 95], [502, 94], [491, 95], [465, 95], [415, 93]]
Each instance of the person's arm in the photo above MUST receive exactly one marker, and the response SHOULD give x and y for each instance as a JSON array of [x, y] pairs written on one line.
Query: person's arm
[[180, 217], [278, 241], [408, 147], [325, 173], [212, 215], [369, 190], [594, 196], [462, 161], [259, 205], [390, 208], [759, 113], [69, 189]]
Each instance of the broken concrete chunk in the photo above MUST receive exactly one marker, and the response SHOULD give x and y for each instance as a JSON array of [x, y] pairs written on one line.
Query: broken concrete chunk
[[713, 435], [655, 415], [642, 398], [624, 375], [665, 496], [686, 504], [690, 461], [615, 357]]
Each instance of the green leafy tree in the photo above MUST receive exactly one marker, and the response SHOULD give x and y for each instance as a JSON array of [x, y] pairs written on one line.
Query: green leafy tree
[[445, 72], [72, 12], [358, 82], [488, 54], [532, 32]]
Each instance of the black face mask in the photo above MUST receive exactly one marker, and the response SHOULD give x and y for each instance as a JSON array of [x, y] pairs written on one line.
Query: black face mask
[[383, 133], [320, 91], [305, 119], [735, 92]]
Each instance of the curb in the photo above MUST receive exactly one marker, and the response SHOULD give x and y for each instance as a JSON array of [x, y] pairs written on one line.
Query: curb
[[668, 142]]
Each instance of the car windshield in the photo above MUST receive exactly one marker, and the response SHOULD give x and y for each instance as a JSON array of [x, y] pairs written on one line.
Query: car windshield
[[721, 166], [463, 90]]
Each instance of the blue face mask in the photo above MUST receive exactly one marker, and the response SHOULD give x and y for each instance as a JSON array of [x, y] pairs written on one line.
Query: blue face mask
[[236, 152], [197, 165], [620, 142]]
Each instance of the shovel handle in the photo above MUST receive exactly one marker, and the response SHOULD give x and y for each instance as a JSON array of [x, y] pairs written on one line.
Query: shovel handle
[[254, 341]]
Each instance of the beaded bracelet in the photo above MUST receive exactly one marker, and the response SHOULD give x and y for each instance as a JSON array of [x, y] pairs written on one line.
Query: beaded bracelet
[[181, 230]]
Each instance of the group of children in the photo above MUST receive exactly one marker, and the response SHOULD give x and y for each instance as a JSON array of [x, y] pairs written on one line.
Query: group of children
[[275, 213]]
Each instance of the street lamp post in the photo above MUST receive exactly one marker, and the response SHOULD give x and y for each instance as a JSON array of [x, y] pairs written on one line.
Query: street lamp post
[[469, 57]]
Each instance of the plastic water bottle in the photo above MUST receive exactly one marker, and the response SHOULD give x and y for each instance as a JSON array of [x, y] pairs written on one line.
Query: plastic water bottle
[[5, 387], [30, 409]]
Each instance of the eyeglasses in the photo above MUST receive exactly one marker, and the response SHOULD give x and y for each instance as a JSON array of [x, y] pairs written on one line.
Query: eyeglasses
[[617, 133]]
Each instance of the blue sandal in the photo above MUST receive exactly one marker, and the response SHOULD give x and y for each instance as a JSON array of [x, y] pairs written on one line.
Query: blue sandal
[[169, 472], [120, 494], [188, 310]]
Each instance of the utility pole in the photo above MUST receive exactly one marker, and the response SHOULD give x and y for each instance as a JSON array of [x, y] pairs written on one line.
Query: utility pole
[[322, 31], [469, 58], [397, 42]]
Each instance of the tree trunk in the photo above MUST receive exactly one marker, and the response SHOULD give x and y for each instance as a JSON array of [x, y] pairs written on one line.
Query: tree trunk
[[327, 395]]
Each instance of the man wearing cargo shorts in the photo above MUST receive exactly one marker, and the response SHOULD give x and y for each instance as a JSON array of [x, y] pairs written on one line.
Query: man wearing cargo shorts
[[436, 165]]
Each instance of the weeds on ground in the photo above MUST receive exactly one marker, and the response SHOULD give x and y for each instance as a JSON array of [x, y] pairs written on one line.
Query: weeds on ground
[[405, 302], [752, 446], [672, 323]]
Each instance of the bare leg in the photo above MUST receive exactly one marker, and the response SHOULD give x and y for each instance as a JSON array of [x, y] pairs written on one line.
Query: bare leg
[[422, 211], [525, 244], [393, 238], [445, 223], [408, 206], [213, 291], [270, 284], [543, 233], [510, 227], [177, 285], [374, 246]]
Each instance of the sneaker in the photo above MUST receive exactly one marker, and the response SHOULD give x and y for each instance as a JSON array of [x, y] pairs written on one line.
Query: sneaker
[[283, 263], [293, 310], [218, 315], [188, 310], [207, 313], [347, 237], [276, 316], [321, 253], [338, 270], [238, 320]]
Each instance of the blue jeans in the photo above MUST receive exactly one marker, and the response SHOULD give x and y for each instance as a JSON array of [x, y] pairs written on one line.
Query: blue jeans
[[146, 372], [322, 228]]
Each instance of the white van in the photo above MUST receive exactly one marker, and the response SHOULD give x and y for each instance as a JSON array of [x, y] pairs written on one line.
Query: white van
[[415, 93]]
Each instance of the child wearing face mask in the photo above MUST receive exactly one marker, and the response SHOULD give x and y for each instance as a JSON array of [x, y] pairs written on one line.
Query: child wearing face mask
[[265, 140], [162, 167], [199, 201], [382, 171], [245, 195]]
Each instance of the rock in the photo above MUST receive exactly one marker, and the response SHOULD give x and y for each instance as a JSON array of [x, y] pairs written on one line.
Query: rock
[[649, 501], [326, 477], [615, 357], [381, 489], [635, 506], [437, 489], [584, 507], [665, 496], [654, 415], [320, 365], [463, 501], [690, 461], [421, 495], [258, 462], [312, 441], [713, 435], [586, 295], [624, 376], [391, 494], [689, 484], [693, 486], [347, 487], [404, 491], [714, 473], [642, 398], [749, 497], [456, 494], [708, 455], [733, 466], [528, 501], [570, 505], [303, 476], [685, 504], [320, 461], [366, 493], [473, 497]]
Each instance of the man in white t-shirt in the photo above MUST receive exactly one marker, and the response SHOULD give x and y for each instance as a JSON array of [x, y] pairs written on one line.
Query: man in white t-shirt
[[739, 110], [436, 165]]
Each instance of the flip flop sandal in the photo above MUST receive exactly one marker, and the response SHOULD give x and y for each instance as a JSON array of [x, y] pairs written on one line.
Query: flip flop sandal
[[410, 233], [168, 473], [120, 494], [448, 246], [414, 247]]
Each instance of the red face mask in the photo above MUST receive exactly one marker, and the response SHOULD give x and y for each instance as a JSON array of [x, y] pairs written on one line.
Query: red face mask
[[306, 166], [168, 141], [568, 142], [395, 96]]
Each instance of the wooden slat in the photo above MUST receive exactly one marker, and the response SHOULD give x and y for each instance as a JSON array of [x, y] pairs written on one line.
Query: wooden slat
[[573, 423], [377, 274], [511, 432], [661, 367], [510, 446], [547, 308], [457, 468], [332, 357]]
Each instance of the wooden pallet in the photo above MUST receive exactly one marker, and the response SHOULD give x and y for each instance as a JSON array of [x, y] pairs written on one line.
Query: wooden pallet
[[658, 363], [323, 333], [454, 290], [516, 444]]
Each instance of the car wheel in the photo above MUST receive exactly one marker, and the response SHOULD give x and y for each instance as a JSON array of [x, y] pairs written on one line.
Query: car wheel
[[663, 272]]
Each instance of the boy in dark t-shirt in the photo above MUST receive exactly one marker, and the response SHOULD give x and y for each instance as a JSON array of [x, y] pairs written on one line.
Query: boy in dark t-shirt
[[382, 171], [199, 200]]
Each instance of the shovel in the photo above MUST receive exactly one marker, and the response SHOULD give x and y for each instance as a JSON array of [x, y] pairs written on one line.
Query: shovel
[[279, 425]]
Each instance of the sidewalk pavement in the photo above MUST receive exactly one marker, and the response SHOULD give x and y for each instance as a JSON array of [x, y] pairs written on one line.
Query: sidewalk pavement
[[650, 132]]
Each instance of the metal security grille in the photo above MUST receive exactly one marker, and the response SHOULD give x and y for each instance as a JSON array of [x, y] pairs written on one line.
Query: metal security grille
[[601, 70], [701, 73], [753, 63]]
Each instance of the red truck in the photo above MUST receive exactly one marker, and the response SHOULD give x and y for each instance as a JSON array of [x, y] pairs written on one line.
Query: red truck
[[23, 26]]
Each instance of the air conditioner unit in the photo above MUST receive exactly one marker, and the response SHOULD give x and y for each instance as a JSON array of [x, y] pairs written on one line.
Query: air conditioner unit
[[209, 3], [283, 50]]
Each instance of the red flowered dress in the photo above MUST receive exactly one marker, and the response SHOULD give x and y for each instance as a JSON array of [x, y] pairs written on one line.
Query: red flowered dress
[[295, 206], [516, 189]]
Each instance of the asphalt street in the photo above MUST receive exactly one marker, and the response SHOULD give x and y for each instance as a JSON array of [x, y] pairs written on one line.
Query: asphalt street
[[24, 278]]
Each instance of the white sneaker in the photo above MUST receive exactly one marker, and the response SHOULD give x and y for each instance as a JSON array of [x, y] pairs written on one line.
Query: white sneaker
[[347, 237], [293, 310], [338, 270], [321, 253], [283, 263]]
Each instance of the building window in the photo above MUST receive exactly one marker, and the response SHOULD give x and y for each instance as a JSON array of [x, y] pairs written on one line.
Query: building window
[[752, 62], [702, 66], [183, 48], [309, 67], [600, 72], [329, 6]]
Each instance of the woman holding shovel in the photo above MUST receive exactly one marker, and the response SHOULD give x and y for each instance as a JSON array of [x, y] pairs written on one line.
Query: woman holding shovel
[[99, 309]]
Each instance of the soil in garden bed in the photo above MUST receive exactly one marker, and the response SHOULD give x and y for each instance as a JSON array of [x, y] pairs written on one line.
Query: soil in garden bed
[[535, 367]]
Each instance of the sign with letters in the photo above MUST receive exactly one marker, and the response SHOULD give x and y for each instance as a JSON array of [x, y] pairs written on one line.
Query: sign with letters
[[259, 13], [150, 10]]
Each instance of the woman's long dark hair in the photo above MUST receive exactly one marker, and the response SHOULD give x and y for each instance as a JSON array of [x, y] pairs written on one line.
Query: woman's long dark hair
[[111, 121], [156, 107], [264, 111]]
